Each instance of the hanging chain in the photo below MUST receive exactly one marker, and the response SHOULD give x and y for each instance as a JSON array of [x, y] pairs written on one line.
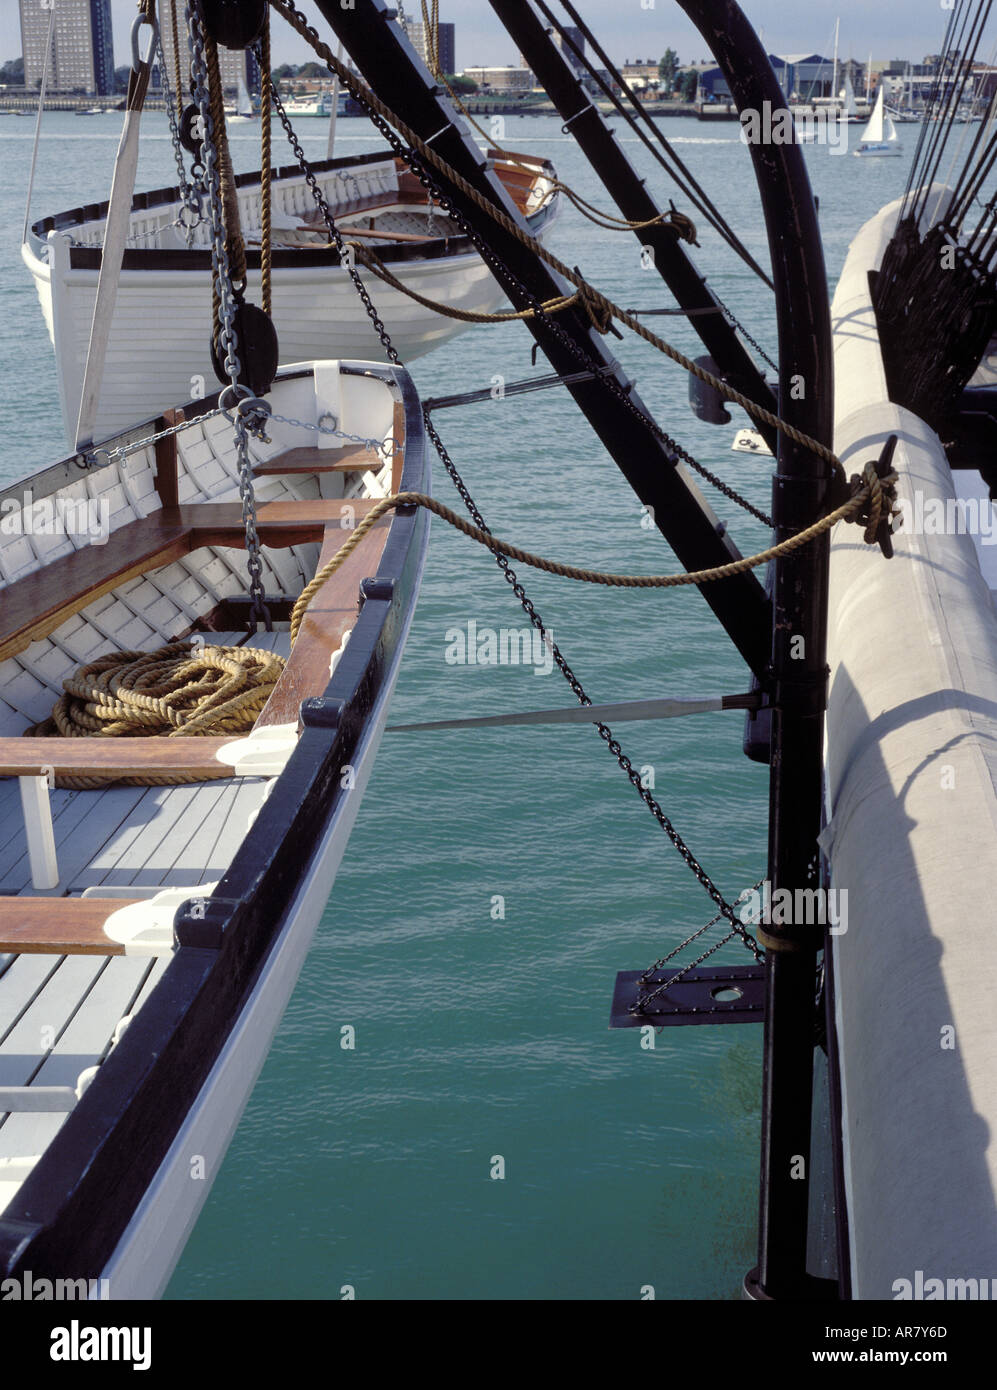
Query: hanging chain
[[644, 999], [335, 234], [739, 327], [189, 215], [248, 411], [526, 603]]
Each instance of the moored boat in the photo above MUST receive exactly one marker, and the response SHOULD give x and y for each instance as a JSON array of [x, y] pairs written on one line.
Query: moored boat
[[166, 282], [157, 931], [880, 138]]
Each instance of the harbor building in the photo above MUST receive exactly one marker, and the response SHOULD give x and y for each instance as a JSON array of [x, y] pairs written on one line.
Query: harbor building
[[505, 79], [419, 39], [82, 58]]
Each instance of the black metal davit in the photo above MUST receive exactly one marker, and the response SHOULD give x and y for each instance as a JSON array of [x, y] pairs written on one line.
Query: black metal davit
[[783, 641], [797, 678]]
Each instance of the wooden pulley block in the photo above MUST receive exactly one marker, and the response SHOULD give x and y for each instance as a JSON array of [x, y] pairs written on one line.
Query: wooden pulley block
[[257, 349], [233, 23]]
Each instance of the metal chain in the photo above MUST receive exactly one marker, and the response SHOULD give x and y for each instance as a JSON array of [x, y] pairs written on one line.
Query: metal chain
[[245, 407], [380, 446], [191, 203], [334, 232], [644, 999], [739, 327], [123, 450], [526, 603]]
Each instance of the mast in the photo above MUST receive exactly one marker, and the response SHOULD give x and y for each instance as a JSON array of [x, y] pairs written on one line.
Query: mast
[[834, 77]]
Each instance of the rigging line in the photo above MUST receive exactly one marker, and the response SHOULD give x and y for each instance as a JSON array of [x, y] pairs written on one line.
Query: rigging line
[[38, 123], [606, 220], [926, 133], [950, 100], [971, 183], [492, 209], [684, 177], [854, 510], [967, 61]]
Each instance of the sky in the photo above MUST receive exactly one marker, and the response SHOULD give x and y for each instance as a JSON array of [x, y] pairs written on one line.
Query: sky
[[626, 29]]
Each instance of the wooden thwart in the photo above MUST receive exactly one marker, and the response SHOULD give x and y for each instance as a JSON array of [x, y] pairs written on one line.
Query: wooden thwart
[[117, 757], [59, 926], [353, 458], [37, 604]]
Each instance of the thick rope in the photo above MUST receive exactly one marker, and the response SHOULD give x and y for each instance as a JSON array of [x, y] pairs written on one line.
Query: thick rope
[[599, 300], [177, 75], [373, 262], [178, 691], [234, 244], [855, 509]]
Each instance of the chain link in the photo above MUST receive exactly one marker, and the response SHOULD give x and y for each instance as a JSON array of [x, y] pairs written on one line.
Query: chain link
[[227, 335], [503, 273], [736, 324], [123, 450], [189, 198]]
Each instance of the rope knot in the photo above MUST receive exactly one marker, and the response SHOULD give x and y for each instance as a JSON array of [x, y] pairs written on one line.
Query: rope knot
[[683, 226], [877, 487], [599, 312]]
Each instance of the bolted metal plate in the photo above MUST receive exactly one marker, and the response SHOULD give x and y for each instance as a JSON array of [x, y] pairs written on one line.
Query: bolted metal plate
[[701, 996]]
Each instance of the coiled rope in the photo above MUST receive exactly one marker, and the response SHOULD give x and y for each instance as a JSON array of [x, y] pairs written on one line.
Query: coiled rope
[[180, 691]]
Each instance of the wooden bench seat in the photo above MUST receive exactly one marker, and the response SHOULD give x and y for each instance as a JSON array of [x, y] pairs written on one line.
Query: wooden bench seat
[[351, 458], [59, 926], [38, 603], [120, 757]]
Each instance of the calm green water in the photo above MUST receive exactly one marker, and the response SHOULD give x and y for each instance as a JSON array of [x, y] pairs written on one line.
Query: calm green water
[[478, 1037]]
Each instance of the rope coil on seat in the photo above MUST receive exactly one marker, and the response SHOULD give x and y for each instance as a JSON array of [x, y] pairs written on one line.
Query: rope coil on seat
[[177, 691]]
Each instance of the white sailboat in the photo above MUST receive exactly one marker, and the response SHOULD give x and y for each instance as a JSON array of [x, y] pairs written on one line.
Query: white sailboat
[[849, 111], [880, 135], [243, 109]]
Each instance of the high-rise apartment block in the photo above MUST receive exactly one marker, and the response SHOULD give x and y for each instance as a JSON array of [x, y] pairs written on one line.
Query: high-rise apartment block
[[82, 57]]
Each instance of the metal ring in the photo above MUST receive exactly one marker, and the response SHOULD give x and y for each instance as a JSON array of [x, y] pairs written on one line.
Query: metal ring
[[332, 427], [136, 26], [241, 393]]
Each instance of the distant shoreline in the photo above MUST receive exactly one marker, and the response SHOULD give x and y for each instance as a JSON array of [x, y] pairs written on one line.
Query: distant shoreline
[[477, 105]]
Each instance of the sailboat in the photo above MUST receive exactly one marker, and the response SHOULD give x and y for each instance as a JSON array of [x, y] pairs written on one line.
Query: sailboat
[[880, 135], [243, 111]]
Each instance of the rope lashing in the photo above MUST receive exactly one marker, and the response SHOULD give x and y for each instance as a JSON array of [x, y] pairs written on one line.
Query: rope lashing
[[373, 263], [854, 509]]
